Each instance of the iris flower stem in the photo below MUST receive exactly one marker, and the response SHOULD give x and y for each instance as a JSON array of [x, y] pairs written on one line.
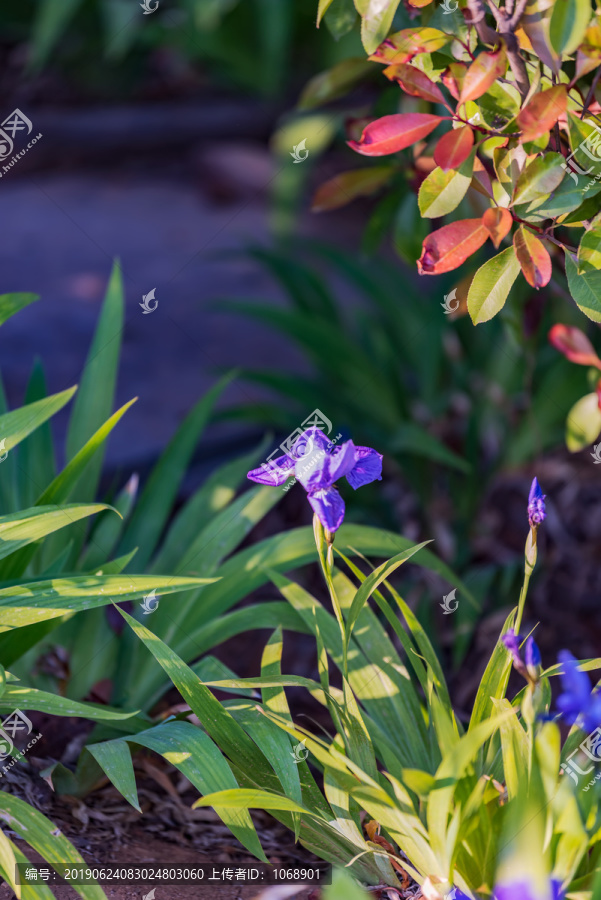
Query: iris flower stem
[[528, 570], [326, 561]]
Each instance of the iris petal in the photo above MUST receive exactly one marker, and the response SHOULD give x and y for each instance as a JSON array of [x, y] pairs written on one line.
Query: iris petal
[[275, 472], [322, 469], [367, 468], [328, 505], [576, 697]]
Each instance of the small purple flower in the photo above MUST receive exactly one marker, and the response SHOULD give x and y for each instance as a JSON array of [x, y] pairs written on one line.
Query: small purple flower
[[317, 464], [528, 665], [536, 505], [577, 699]]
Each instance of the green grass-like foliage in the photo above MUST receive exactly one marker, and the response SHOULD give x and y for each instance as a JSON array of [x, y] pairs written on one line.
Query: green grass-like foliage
[[456, 804]]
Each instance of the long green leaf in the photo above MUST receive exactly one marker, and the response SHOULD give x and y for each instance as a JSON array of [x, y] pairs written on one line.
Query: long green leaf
[[45, 838], [94, 399], [158, 496]]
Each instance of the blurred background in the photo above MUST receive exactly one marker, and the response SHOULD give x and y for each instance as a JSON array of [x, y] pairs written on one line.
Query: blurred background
[[168, 142]]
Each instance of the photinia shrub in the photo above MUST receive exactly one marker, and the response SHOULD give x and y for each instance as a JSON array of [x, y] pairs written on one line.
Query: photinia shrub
[[496, 128]]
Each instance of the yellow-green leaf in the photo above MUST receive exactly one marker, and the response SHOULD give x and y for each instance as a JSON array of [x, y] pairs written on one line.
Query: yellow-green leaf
[[569, 21], [583, 424], [442, 192], [491, 285]]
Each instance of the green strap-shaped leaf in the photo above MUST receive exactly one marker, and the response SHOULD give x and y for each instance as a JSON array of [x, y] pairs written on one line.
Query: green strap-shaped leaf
[[16, 696], [10, 304], [45, 838], [160, 491], [36, 454], [64, 483], [94, 399], [373, 581], [16, 425]]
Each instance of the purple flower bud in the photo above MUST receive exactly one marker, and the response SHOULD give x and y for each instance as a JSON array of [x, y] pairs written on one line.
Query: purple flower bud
[[512, 642], [536, 505], [528, 665], [532, 653]]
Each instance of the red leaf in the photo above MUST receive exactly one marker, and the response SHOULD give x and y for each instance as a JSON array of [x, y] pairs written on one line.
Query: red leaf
[[574, 345], [498, 222], [414, 82], [543, 111], [392, 133], [454, 147], [533, 258], [445, 249], [482, 74], [453, 77]]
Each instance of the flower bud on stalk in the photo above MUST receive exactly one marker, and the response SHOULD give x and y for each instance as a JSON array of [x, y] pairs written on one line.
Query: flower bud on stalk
[[536, 515]]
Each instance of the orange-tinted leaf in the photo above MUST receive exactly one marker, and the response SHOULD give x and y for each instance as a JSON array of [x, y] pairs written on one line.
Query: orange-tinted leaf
[[445, 249], [542, 112], [481, 180], [404, 45], [346, 186], [392, 133], [414, 82], [533, 258], [453, 78], [419, 3], [574, 345], [482, 74], [454, 147], [498, 222]]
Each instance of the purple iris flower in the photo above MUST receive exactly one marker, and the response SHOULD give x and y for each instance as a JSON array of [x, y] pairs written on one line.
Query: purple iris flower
[[528, 665], [577, 698], [318, 464], [523, 890], [536, 505]]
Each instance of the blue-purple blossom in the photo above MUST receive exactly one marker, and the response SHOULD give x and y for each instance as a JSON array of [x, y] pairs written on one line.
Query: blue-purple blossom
[[524, 890], [536, 505], [531, 660], [577, 700], [318, 464]]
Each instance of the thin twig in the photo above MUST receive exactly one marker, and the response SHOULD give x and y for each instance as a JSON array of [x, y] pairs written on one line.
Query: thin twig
[[591, 94]]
